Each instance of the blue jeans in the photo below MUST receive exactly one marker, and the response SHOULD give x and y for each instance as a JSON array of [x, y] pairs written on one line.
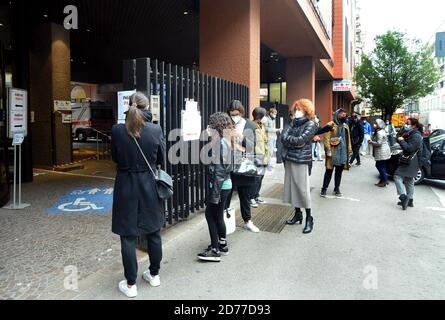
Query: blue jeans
[[381, 166], [316, 147], [405, 186]]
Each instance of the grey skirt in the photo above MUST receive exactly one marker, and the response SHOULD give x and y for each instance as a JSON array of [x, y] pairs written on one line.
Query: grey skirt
[[297, 187]]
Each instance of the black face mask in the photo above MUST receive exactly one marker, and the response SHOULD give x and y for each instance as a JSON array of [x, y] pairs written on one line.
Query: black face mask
[[342, 120]]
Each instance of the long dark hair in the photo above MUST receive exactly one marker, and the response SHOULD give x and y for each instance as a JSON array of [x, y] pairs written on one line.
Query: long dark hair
[[415, 122], [135, 119]]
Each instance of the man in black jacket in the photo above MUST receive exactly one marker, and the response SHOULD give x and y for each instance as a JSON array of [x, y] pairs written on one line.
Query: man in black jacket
[[357, 137]]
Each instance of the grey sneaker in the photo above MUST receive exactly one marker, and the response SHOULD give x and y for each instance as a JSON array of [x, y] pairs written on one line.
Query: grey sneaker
[[253, 203], [338, 193]]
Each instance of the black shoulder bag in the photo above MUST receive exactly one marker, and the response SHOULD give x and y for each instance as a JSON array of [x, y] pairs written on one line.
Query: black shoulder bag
[[164, 183]]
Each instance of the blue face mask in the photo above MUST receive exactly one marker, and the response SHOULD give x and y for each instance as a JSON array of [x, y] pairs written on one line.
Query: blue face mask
[[407, 127]]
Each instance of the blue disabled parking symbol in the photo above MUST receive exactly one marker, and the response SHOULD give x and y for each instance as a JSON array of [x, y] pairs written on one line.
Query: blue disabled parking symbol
[[85, 201]]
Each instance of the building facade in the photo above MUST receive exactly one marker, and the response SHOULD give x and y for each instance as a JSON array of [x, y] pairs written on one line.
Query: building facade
[[435, 101], [282, 50]]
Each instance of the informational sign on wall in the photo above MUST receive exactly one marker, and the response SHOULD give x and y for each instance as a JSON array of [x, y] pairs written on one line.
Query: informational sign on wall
[[343, 86], [191, 122], [18, 112], [123, 102], [62, 105], [155, 106]]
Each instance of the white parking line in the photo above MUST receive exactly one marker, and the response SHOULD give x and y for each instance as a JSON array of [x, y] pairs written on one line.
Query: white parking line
[[441, 199], [436, 209], [75, 175], [343, 198]]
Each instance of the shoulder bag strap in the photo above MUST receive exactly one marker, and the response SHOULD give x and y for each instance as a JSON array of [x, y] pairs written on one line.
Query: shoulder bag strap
[[145, 158]]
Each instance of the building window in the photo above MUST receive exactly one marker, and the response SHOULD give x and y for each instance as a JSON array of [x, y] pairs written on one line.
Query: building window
[[275, 92]]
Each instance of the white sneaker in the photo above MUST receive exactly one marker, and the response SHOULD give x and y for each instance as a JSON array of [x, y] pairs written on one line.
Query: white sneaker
[[153, 281], [253, 203], [129, 292], [251, 227]]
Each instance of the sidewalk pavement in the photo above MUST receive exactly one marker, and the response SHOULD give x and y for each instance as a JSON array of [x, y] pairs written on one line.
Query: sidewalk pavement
[[363, 247]]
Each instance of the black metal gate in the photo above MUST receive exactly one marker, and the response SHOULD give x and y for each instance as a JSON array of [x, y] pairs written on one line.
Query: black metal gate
[[174, 84]]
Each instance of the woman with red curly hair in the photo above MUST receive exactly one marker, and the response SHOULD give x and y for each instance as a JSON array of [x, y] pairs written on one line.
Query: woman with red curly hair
[[297, 155]]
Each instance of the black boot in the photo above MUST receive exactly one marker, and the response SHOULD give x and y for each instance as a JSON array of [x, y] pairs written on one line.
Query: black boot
[[309, 225], [298, 218], [410, 203], [404, 200]]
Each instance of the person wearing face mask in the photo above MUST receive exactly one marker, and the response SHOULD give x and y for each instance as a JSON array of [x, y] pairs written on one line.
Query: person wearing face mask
[[270, 124], [316, 146], [391, 133], [338, 148], [220, 185], [262, 154], [246, 142], [381, 152], [368, 133], [297, 155], [357, 136], [411, 141]]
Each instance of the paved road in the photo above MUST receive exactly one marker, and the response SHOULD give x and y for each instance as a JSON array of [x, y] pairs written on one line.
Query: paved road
[[363, 247]]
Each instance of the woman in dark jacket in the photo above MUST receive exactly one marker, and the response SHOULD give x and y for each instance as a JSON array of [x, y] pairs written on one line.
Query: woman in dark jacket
[[220, 185], [137, 210], [411, 142], [246, 142], [297, 155]]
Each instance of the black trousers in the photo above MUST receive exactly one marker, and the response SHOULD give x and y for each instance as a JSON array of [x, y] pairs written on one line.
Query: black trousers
[[129, 259], [328, 177], [256, 189], [355, 154], [215, 219], [244, 194]]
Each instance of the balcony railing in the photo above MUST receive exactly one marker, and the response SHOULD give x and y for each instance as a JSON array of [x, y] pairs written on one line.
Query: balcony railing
[[317, 11]]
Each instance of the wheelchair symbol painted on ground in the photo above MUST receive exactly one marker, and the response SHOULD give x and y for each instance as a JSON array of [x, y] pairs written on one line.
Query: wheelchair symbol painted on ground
[[79, 205], [84, 201]]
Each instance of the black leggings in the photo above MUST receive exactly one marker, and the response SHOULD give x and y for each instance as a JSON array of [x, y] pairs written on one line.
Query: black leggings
[[328, 177], [129, 259], [244, 194], [215, 219]]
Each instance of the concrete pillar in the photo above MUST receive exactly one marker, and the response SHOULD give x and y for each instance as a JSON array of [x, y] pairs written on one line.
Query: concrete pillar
[[324, 100], [50, 79], [230, 43], [300, 75]]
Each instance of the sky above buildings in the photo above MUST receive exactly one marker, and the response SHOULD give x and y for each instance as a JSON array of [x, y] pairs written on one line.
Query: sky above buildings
[[418, 18]]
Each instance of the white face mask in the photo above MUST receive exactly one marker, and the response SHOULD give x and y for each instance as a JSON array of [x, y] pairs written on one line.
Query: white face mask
[[299, 114], [236, 119]]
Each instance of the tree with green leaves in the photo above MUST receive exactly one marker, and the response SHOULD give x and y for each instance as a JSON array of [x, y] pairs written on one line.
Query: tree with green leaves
[[397, 70]]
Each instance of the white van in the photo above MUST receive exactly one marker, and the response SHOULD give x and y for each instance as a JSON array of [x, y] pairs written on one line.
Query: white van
[[432, 120]]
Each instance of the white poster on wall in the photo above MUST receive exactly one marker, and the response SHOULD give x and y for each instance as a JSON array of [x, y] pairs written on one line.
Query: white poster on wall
[[191, 122], [123, 102], [18, 112]]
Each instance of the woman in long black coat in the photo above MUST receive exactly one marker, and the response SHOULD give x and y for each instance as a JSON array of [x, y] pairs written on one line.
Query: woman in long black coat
[[137, 210]]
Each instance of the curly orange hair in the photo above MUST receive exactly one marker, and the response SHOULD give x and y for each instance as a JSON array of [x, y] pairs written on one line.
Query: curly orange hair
[[306, 106]]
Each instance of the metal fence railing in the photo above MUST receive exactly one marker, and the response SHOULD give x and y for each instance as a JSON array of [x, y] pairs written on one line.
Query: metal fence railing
[[175, 84], [103, 145]]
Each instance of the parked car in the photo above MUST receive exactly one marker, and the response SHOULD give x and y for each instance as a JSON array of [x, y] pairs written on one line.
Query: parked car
[[432, 168]]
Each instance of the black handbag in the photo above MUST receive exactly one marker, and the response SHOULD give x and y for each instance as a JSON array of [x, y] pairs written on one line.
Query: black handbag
[[164, 182], [406, 160]]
